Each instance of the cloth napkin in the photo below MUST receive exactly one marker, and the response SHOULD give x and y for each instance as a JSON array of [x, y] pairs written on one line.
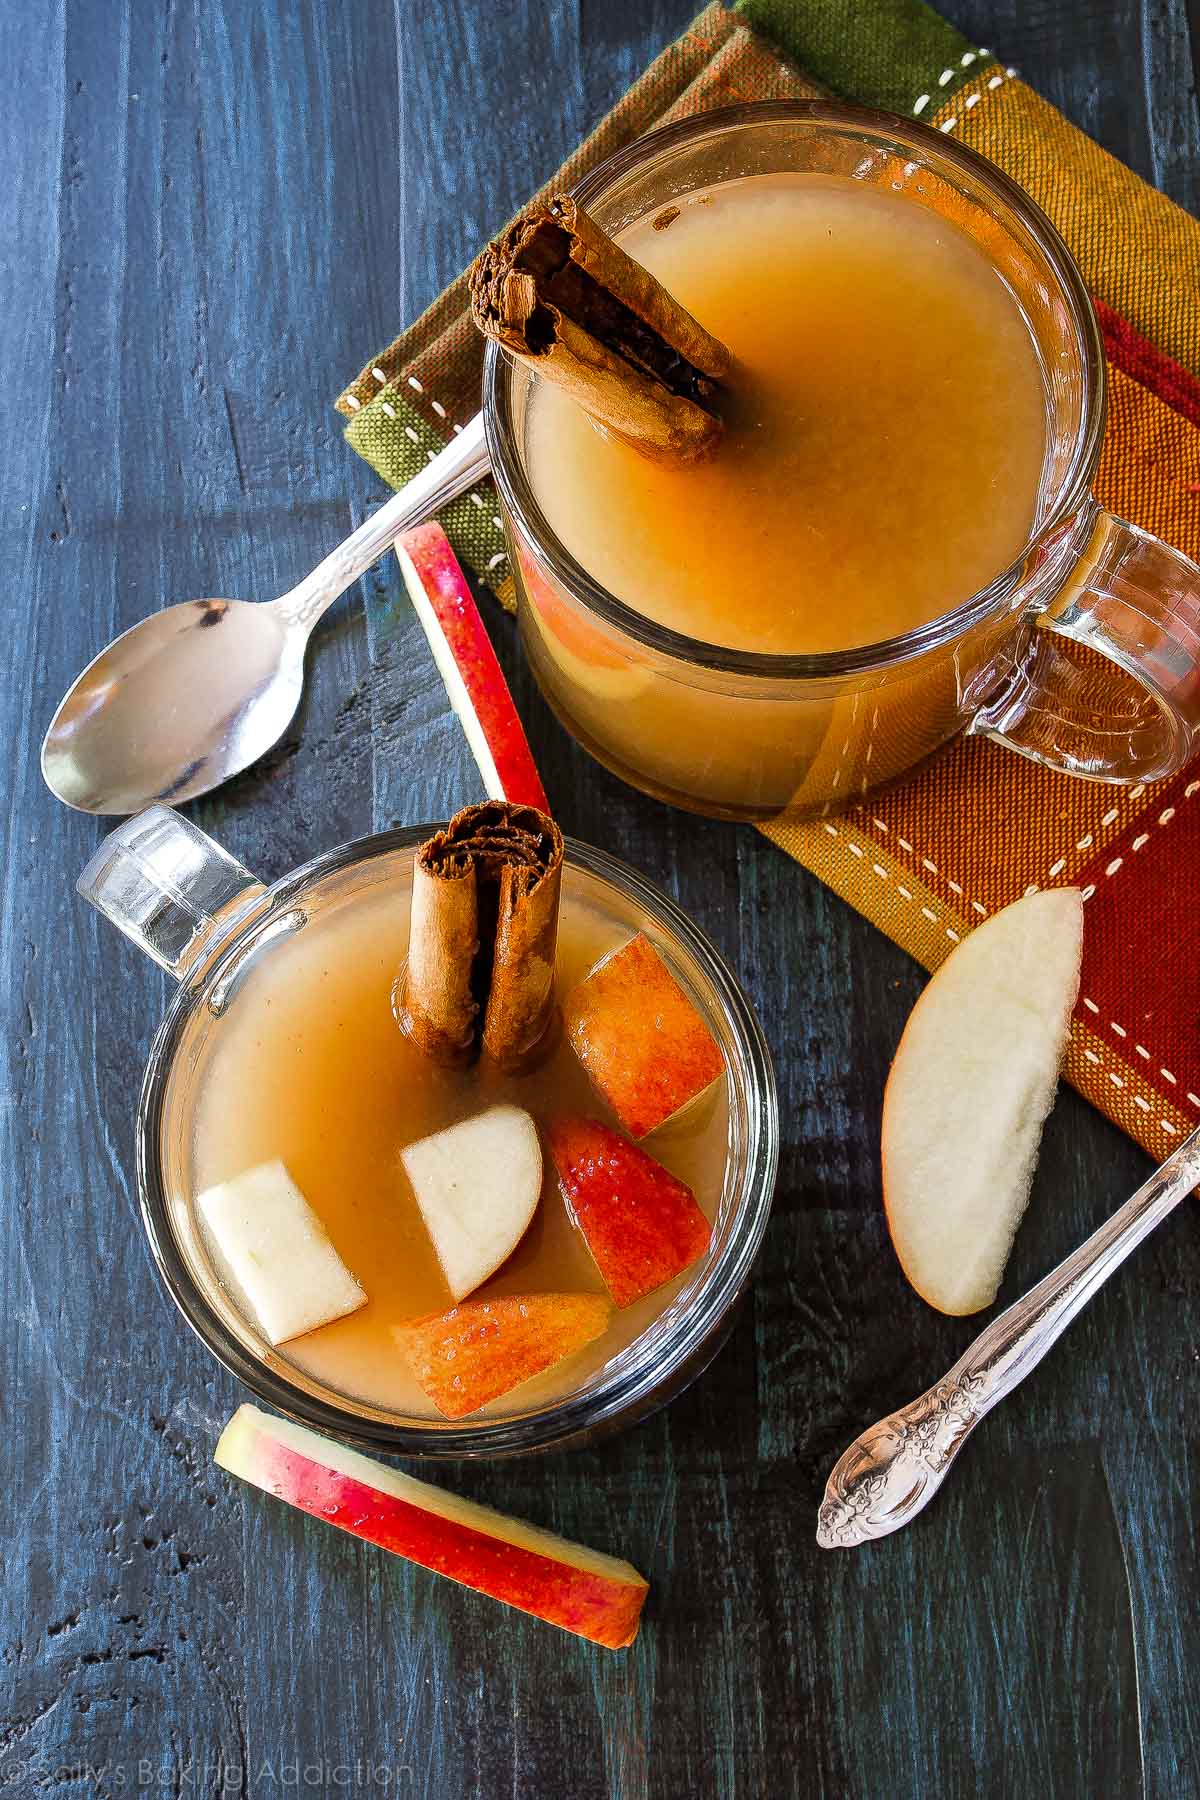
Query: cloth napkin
[[979, 826]]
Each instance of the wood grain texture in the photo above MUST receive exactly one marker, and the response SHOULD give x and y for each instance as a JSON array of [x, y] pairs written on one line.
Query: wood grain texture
[[210, 210]]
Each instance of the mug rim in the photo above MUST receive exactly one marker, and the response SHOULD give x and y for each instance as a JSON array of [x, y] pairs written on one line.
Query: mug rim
[[556, 560], [639, 1384]]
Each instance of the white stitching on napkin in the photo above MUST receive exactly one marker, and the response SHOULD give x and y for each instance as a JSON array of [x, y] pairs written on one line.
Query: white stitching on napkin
[[1119, 1081], [1143, 837], [947, 75], [905, 893], [439, 409], [954, 937]]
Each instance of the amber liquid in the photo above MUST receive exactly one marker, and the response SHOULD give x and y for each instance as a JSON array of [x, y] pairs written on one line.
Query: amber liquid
[[310, 1066], [885, 426]]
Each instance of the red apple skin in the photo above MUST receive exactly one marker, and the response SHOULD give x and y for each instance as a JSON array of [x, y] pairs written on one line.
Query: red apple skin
[[481, 1349], [640, 1222], [447, 610], [601, 1606], [642, 1042], [570, 628]]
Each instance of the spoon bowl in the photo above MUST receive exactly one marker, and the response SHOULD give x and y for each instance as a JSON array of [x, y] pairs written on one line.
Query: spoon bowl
[[196, 693], [175, 705]]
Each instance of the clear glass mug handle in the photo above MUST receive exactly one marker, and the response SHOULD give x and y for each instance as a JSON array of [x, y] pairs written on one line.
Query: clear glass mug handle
[[1135, 601], [168, 887]]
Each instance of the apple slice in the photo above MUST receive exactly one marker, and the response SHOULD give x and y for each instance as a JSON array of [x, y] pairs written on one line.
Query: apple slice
[[585, 654], [477, 1184], [596, 1596], [467, 664], [475, 1352], [278, 1253], [968, 1094], [642, 1042], [641, 1224]]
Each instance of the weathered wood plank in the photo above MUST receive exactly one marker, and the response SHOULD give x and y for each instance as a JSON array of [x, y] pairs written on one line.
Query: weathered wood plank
[[1124, 73]]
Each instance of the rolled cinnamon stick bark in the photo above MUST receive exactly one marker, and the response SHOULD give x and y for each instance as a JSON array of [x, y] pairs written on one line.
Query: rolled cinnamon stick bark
[[562, 297], [483, 936]]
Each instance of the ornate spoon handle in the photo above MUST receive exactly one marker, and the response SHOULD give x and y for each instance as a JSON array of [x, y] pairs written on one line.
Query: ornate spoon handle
[[896, 1467]]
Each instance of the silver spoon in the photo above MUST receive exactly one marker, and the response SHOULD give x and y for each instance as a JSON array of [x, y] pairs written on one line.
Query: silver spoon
[[196, 693], [890, 1473]]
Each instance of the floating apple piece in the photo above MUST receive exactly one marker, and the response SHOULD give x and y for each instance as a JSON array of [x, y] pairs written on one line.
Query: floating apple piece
[[472, 1354], [278, 1252], [641, 1224], [477, 1185], [596, 1596], [642, 1042], [968, 1094], [467, 664], [604, 678], [585, 653]]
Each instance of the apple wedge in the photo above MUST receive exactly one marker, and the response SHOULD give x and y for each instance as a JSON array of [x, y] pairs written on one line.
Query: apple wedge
[[642, 1042], [464, 1358], [968, 1093], [278, 1253], [477, 1185], [585, 654], [595, 1596], [467, 664], [641, 1224]]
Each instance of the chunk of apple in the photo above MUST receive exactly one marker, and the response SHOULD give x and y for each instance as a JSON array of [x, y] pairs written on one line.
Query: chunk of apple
[[464, 1358], [640, 1222], [467, 664], [968, 1093], [586, 654], [642, 1042], [477, 1185], [278, 1252], [595, 1596]]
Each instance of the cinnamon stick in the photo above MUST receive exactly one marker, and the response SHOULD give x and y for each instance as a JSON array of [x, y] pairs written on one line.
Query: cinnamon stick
[[483, 935], [562, 297]]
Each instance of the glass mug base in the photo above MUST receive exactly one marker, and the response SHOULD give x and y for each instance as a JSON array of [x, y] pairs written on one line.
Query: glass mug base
[[814, 795], [789, 751], [740, 734]]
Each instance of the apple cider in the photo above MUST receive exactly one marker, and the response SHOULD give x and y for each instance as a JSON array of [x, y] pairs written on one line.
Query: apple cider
[[884, 425], [311, 1069]]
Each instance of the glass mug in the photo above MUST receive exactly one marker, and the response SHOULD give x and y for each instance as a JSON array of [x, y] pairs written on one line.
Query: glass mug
[[202, 917], [750, 736]]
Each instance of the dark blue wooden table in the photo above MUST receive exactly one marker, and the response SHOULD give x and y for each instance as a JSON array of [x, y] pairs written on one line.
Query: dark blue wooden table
[[210, 213]]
